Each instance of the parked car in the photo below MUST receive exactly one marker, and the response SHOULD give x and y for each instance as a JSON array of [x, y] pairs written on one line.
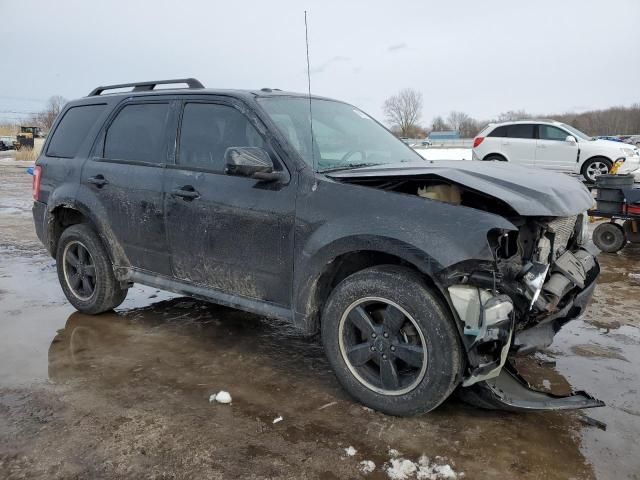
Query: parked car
[[7, 143], [420, 276], [554, 146], [633, 140]]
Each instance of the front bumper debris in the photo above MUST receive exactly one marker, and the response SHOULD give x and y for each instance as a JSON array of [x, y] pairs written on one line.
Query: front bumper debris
[[509, 391]]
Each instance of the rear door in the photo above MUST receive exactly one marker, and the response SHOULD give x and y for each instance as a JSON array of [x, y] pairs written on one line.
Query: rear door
[[519, 145], [229, 233], [553, 152], [126, 177]]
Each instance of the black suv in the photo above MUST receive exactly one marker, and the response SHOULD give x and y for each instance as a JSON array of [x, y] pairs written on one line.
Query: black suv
[[421, 276]]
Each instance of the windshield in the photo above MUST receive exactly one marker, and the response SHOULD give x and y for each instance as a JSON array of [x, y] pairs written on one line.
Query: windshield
[[343, 136], [577, 132]]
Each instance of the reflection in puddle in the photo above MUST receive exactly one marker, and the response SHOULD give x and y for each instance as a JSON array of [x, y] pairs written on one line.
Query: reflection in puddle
[[168, 359]]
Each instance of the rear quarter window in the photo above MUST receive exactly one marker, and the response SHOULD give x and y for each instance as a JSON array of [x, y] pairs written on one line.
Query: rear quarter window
[[498, 132], [73, 129]]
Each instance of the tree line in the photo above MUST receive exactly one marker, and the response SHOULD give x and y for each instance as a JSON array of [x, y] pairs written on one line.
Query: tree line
[[403, 113]]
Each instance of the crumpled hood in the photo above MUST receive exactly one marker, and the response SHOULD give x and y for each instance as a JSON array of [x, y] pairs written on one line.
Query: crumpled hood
[[529, 191]]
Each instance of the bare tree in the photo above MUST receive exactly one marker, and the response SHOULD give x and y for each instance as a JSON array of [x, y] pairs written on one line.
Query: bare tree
[[456, 119], [46, 117], [403, 111], [469, 128], [513, 115], [439, 125]]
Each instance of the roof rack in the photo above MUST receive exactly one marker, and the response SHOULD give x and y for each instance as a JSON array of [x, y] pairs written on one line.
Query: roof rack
[[145, 86]]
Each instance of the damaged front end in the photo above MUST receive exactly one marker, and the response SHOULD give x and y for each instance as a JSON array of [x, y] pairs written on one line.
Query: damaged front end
[[541, 278]]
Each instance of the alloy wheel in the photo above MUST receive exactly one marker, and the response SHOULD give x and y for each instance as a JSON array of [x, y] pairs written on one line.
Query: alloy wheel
[[79, 270], [596, 169], [383, 346]]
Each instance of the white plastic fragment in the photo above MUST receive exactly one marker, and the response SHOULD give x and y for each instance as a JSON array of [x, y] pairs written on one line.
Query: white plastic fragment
[[278, 419], [220, 397], [350, 451], [367, 467]]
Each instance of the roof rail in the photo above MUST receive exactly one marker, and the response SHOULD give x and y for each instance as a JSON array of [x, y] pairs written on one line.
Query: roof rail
[[144, 86]]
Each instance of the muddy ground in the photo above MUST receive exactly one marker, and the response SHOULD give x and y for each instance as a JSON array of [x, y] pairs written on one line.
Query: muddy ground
[[125, 394]]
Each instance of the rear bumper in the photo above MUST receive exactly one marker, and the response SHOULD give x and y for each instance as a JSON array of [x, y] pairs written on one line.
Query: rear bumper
[[39, 211]]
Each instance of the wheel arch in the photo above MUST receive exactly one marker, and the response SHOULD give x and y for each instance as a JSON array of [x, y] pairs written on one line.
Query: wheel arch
[[495, 154], [598, 156], [65, 214], [327, 271]]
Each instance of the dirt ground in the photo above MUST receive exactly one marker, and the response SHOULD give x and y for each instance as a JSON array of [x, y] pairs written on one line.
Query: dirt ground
[[126, 394]]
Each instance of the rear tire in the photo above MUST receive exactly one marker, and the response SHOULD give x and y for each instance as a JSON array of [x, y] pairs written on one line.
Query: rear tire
[[85, 271], [609, 237], [405, 357], [494, 157]]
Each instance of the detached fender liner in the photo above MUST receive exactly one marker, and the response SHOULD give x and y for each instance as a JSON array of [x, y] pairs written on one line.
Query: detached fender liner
[[509, 391]]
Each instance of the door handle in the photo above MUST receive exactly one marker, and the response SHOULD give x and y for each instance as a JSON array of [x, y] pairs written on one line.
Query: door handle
[[187, 192], [99, 181]]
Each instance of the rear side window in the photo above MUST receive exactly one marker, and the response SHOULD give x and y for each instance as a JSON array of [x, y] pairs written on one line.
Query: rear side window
[[499, 132], [207, 131], [547, 132], [520, 130], [138, 133], [73, 129]]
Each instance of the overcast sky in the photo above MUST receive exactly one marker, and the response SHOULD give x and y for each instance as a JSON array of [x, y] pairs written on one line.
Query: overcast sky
[[547, 56]]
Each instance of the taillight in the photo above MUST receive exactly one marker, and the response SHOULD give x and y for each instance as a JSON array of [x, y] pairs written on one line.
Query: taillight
[[477, 141], [37, 176]]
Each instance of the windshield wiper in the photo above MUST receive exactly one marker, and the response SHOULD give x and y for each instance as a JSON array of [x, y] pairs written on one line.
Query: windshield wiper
[[348, 167]]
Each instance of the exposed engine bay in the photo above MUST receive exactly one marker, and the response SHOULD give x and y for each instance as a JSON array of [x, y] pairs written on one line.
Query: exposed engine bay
[[540, 278]]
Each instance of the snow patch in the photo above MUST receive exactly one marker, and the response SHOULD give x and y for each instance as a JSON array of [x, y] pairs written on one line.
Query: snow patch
[[220, 397], [278, 419], [350, 451], [367, 467], [401, 469], [435, 153], [424, 469]]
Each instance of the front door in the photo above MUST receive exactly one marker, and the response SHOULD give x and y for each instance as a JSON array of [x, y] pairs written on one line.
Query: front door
[[126, 175], [553, 151], [233, 234]]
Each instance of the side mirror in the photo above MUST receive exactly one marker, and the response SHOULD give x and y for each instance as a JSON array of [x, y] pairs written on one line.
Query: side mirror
[[571, 139], [252, 162]]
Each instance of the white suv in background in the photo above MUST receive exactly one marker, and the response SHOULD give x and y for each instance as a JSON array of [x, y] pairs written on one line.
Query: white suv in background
[[553, 146]]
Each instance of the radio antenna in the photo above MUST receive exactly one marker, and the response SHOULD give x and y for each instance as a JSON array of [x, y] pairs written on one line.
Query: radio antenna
[[306, 37]]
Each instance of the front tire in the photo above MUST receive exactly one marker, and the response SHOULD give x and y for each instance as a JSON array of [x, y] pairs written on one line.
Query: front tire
[[595, 167], [391, 341], [85, 271]]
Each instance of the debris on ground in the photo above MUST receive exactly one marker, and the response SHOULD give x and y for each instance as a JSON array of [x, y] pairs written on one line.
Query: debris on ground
[[393, 453], [278, 419], [350, 451], [587, 420], [326, 405], [220, 397], [367, 467]]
